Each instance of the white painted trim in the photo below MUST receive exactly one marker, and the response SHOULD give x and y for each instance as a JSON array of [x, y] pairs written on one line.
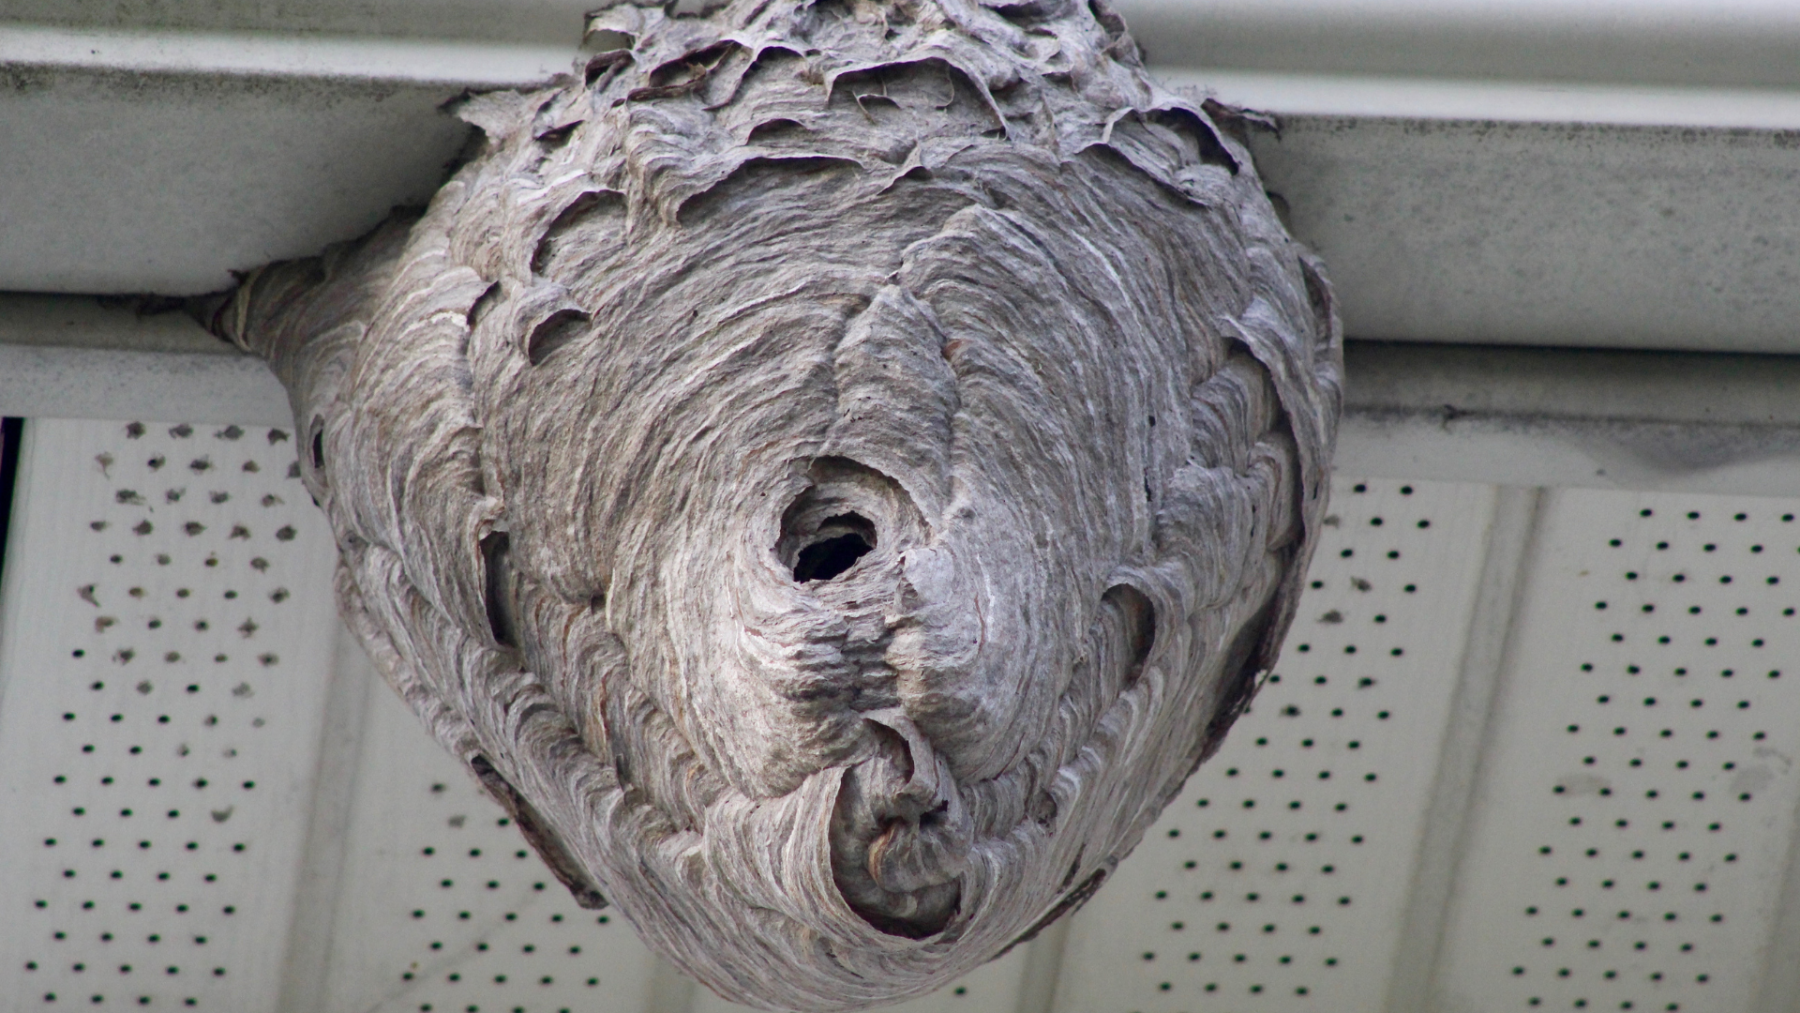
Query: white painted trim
[[321, 57], [87, 383], [1498, 597], [1507, 101], [307, 962], [1738, 43]]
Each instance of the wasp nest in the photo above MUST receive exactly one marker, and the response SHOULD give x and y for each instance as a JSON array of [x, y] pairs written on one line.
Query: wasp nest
[[830, 469]]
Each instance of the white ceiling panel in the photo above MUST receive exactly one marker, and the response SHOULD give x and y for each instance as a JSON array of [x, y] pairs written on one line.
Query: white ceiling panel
[[1371, 837], [1276, 881], [443, 906], [1634, 814], [159, 709]]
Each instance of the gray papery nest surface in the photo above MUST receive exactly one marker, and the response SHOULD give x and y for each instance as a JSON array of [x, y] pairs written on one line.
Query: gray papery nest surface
[[830, 469]]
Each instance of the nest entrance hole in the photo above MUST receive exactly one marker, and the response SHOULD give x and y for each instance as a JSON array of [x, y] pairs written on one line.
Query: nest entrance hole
[[834, 548]]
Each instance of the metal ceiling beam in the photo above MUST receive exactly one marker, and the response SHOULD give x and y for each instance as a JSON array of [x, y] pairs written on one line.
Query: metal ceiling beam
[[86, 358], [525, 22], [1548, 233], [1631, 208], [161, 161], [1666, 421], [1740, 43]]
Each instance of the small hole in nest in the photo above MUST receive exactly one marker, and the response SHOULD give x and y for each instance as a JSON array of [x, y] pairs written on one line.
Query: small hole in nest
[[318, 443], [606, 40], [828, 526], [501, 619], [835, 547], [559, 329], [1135, 618]]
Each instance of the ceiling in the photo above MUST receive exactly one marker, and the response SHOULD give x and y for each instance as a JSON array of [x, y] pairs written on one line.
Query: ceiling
[[1525, 747], [1607, 175]]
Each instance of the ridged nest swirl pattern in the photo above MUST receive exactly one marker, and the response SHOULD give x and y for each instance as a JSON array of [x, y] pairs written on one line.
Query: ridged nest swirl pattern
[[831, 470]]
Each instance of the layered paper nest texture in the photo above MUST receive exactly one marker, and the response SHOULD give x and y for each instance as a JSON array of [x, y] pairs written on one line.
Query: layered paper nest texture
[[831, 469]]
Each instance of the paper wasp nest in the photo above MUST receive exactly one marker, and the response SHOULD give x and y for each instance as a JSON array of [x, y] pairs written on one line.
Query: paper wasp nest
[[830, 469]]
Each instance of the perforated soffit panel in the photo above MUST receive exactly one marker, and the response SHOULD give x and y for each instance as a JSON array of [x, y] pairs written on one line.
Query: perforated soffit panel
[[1525, 750]]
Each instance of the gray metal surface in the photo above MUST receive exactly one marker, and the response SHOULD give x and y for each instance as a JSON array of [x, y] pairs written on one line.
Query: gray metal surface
[[84, 383], [1561, 417], [1744, 42], [1739, 43], [1566, 234], [1723, 42], [84, 358], [1450, 208], [541, 22], [163, 162]]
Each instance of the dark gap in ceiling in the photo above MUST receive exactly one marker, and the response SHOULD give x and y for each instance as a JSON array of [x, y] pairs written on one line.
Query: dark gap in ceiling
[[11, 431]]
